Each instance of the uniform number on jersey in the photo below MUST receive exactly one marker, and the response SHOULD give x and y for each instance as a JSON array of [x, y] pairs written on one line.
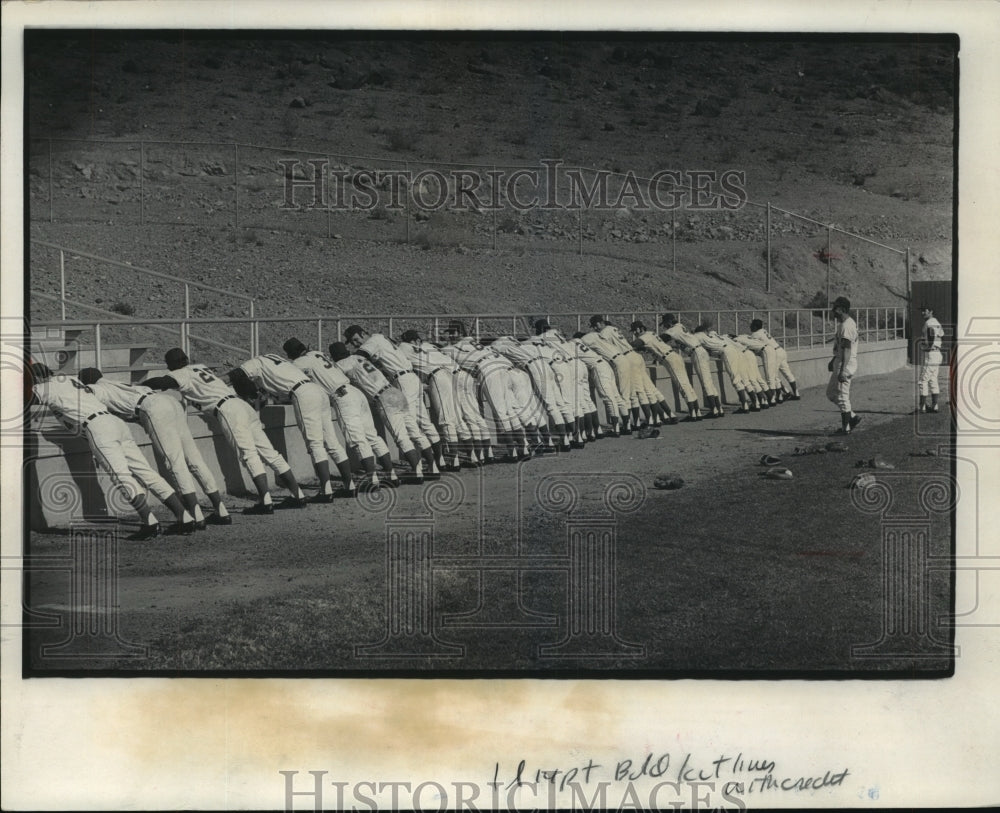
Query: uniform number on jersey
[[205, 375], [368, 367]]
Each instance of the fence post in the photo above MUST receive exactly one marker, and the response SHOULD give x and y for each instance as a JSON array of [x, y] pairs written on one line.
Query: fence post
[[97, 345], [768, 251], [62, 282], [52, 187], [236, 187], [829, 261], [187, 301], [319, 333], [907, 274], [409, 192], [579, 209], [673, 241], [496, 198], [142, 183], [329, 208], [253, 331]]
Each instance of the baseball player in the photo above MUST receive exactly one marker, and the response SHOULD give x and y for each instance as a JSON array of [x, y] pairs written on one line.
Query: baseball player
[[781, 366], [111, 443], [844, 364], [165, 421], [549, 343], [524, 399], [398, 370], [239, 423], [437, 371], [691, 342], [467, 399], [762, 384], [390, 403], [731, 355], [351, 410], [672, 362], [530, 357], [602, 380], [283, 381], [490, 370], [932, 338]]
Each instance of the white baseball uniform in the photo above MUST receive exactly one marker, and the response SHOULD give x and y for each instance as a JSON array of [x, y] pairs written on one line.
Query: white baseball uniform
[[282, 379], [672, 363], [845, 361], [350, 405], [109, 438], [399, 371], [530, 357], [699, 357], [437, 371], [602, 379], [165, 421], [619, 360], [933, 334], [720, 347], [239, 422], [388, 400]]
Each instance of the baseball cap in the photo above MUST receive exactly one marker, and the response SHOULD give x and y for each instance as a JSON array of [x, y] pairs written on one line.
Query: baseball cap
[[456, 326], [637, 327], [294, 348], [410, 336], [595, 319], [842, 302], [926, 307], [352, 330], [88, 375], [338, 351], [756, 324], [175, 358], [541, 325]]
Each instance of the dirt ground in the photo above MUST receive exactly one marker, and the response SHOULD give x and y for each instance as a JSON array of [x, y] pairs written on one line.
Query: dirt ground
[[732, 573]]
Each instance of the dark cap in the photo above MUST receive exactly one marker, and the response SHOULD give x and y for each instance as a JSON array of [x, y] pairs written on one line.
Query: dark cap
[[842, 302], [637, 327], [456, 326], [669, 319], [595, 319], [175, 358], [756, 324], [541, 325], [410, 336], [926, 307], [352, 330], [294, 348], [338, 351], [88, 375]]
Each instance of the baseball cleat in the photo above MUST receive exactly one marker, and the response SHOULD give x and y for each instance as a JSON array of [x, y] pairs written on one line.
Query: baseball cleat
[[146, 532], [259, 508], [293, 502], [933, 408], [327, 498], [180, 529], [215, 519], [855, 421], [201, 525]]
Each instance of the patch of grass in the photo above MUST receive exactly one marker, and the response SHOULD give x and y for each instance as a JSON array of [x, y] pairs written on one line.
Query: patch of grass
[[402, 139]]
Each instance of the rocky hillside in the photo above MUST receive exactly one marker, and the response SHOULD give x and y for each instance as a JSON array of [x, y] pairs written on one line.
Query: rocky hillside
[[859, 135]]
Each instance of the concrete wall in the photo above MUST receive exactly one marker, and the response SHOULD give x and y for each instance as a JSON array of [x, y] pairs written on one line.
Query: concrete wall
[[63, 485]]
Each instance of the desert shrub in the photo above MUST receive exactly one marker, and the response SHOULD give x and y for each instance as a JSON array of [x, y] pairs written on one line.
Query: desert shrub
[[124, 308]]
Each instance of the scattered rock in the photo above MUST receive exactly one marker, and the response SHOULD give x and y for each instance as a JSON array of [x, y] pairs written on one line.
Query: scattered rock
[[298, 102]]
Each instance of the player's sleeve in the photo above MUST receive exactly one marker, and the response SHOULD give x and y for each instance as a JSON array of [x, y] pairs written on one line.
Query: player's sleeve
[[162, 382]]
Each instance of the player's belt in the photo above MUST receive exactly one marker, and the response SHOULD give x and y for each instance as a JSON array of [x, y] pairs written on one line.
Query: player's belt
[[139, 402], [91, 417], [436, 370], [220, 403], [377, 394], [305, 381], [616, 355]]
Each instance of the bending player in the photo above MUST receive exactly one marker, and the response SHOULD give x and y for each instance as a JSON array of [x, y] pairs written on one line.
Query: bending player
[[165, 421], [239, 423], [112, 445]]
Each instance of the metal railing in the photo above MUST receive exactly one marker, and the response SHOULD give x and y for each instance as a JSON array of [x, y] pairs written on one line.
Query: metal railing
[[794, 329], [188, 285]]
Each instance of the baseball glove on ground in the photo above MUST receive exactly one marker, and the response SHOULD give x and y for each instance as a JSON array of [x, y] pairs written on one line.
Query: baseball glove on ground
[[667, 482]]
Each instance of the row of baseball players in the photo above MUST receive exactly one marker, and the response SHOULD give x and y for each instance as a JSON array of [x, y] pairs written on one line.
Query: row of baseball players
[[540, 392]]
